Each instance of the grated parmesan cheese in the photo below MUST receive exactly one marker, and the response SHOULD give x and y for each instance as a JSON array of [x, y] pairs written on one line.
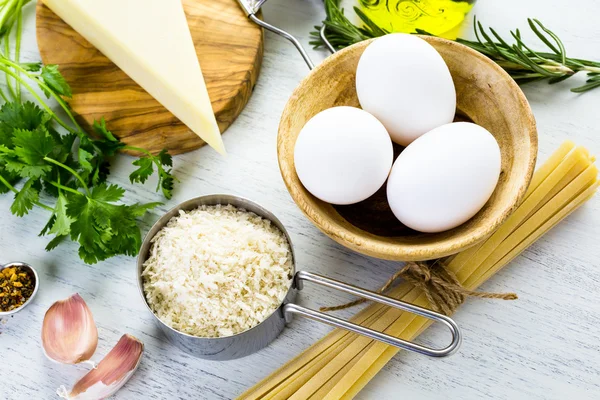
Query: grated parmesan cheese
[[217, 271]]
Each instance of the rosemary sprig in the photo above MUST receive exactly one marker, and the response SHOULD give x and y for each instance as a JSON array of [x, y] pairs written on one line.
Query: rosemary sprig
[[341, 32], [518, 59]]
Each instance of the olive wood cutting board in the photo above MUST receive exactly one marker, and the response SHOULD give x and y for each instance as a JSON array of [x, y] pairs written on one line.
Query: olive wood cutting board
[[229, 48]]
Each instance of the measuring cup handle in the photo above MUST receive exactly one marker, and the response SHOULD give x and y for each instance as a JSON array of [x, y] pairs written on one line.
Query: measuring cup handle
[[291, 308]]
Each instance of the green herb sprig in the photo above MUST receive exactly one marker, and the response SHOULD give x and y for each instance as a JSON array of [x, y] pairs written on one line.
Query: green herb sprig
[[65, 173], [522, 62], [527, 65]]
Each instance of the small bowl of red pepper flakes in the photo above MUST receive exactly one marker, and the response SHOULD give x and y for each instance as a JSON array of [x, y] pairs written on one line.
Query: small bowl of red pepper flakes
[[18, 286]]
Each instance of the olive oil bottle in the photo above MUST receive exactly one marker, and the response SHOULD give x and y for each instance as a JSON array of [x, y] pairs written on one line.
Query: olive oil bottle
[[438, 17]]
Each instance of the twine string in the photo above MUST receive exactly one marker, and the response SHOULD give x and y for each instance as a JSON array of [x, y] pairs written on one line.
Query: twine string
[[441, 287]]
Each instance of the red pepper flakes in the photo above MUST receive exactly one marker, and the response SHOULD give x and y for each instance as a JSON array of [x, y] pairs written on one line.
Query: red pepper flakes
[[16, 287]]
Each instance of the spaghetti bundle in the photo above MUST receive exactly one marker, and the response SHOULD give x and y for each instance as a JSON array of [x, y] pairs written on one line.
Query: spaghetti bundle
[[339, 365]]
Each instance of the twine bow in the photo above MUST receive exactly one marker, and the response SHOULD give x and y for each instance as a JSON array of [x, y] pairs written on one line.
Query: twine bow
[[441, 287]]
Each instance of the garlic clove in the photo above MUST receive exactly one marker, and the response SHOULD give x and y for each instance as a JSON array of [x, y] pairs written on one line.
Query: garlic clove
[[110, 375], [69, 334]]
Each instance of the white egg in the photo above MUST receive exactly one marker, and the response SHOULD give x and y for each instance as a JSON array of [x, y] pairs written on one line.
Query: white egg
[[404, 82], [343, 155], [444, 177]]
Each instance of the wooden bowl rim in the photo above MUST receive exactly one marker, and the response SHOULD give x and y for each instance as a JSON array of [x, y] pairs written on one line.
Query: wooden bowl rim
[[370, 244]]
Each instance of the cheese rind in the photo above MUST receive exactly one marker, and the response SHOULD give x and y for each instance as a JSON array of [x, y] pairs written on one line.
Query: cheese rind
[[151, 42]]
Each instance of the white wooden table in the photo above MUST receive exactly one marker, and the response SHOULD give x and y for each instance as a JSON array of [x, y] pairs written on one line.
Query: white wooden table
[[545, 345]]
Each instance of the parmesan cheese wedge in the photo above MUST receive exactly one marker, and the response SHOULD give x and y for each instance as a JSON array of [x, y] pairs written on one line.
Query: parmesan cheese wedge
[[151, 42]]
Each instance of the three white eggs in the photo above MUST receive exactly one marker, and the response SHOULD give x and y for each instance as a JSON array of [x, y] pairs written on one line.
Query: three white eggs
[[446, 173]]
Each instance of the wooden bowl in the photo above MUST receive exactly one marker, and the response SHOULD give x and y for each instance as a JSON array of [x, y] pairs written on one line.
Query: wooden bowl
[[486, 95]]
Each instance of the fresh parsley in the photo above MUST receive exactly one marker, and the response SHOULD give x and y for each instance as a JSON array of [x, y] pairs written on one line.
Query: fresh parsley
[[69, 169], [52, 163], [146, 169]]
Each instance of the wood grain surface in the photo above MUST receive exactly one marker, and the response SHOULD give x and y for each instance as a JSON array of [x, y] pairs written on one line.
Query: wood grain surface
[[481, 86], [230, 50]]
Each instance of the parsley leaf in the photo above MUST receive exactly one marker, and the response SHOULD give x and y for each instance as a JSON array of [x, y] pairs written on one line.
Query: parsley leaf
[[138, 210], [55, 81], [62, 222], [18, 116], [165, 178], [63, 150], [59, 223], [26, 198], [100, 129], [103, 228], [91, 236], [24, 116], [32, 66], [93, 153], [26, 159], [55, 242], [101, 172], [165, 158], [107, 193], [107, 142], [85, 159], [48, 225], [25, 170], [144, 171], [166, 183], [32, 146]]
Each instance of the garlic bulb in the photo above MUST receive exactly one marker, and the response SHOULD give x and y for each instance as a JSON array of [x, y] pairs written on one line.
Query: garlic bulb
[[112, 372], [69, 334]]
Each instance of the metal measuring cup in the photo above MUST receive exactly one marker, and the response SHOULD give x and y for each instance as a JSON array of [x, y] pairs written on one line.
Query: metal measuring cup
[[254, 339]]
